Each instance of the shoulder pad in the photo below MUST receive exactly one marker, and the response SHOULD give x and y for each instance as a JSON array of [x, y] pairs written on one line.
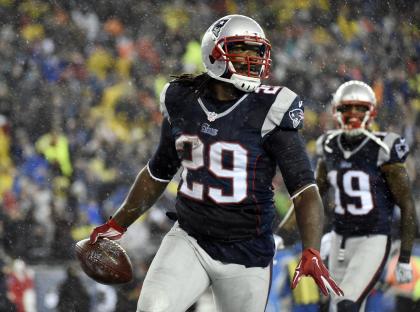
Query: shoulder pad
[[285, 112], [398, 149], [380, 134], [320, 145], [162, 100], [172, 99]]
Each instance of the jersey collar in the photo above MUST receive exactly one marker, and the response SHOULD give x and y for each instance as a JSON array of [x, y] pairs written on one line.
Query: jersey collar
[[348, 153], [212, 116]]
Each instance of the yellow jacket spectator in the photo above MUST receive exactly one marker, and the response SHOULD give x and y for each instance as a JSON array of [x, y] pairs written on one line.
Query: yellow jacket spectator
[[100, 63], [6, 165], [192, 58], [6, 179], [348, 27], [33, 32], [5, 160], [55, 148]]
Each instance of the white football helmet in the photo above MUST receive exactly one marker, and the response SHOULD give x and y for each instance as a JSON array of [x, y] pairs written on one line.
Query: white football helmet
[[354, 106], [244, 71]]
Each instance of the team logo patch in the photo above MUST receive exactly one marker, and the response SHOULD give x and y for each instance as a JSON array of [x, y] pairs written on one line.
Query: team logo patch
[[401, 148], [218, 27], [205, 128], [296, 115]]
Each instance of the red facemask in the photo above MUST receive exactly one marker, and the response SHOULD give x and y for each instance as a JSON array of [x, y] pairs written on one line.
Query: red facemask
[[351, 115], [255, 64]]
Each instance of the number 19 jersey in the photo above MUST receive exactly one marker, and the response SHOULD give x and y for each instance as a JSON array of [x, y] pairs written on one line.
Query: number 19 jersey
[[363, 201]]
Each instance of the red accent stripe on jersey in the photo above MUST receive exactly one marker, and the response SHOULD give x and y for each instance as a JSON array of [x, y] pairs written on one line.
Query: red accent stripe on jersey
[[377, 274]]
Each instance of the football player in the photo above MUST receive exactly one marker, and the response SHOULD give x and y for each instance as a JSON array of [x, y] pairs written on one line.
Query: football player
[[227, 132], [367, 173]]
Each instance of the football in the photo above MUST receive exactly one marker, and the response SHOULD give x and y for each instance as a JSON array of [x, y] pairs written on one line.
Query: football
[[104, 261]]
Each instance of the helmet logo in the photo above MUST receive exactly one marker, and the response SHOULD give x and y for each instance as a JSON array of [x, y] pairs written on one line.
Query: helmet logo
[[296, 116], [218, 27], [402, 148]]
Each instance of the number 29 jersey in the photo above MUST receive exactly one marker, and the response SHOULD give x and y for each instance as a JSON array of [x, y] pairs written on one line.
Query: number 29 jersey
[[227, 174], [363, 203], [225, 194]]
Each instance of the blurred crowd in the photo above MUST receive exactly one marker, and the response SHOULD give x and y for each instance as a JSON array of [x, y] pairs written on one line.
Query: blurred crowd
[[79, 100]]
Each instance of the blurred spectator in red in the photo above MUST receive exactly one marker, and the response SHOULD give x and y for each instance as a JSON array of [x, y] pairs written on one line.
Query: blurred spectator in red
[[5, 303], [21, 287]]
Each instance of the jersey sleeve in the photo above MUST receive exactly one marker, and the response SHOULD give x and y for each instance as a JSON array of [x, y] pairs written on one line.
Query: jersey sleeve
[[165, 161], [162, 100], [286, 112], [288, 149], [398, 150], [320, 146]]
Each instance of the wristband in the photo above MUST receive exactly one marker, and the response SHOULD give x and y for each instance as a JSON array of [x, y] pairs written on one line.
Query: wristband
[[404, 256], [111, 222], [314, 252]]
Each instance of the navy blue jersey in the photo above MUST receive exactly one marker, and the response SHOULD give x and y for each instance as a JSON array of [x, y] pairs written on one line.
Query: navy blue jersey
[[225, 195], [363, 201]]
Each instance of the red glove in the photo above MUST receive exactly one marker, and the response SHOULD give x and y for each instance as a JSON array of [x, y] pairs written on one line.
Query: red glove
[[110, 230], [312, 265]]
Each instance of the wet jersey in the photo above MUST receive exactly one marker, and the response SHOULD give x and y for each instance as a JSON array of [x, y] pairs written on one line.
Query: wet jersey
[[225, 195], [363, 201]]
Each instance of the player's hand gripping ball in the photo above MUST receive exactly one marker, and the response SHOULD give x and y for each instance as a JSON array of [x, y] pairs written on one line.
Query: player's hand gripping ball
[[105, 261]]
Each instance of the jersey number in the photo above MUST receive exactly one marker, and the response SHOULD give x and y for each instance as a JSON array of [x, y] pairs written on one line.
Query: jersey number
[[236, 173], [354, 184]]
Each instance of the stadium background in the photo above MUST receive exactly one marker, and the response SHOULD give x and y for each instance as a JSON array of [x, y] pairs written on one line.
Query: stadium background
[[79, 116]]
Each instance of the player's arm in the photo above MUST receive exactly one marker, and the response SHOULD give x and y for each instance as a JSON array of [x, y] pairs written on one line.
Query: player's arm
[[143, 193], [399, 185], [321, 177], [309, 216], [321, 173], [146, 189], [288, 148], [289, 221]]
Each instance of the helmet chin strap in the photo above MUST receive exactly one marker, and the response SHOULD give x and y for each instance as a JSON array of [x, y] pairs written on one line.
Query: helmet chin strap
[[361, 130], [375, 139], [246, 84]]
